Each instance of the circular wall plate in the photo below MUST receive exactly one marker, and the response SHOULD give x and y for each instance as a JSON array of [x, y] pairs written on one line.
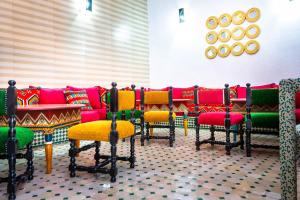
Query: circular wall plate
[[224, 20], [238, 17], [224, 35], [252, 31], [211, 37], [238, 33], [237, 49], [224, 50], [252, 47], [212, 22], [253, 15], [211, 52]]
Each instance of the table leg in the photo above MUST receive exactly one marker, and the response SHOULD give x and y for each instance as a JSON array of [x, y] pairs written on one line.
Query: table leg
[[77, 145], [185, 126], [48, 151], [151, 129]]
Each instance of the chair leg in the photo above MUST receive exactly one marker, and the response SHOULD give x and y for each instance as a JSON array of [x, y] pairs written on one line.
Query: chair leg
[[227, 145], [132, 156], [248, 142], [72, 154], [212, 135], [197, 143], [147, 131], [97, 153], [241, 136], [171, 139], [11, 186], [142, 134], [114, 169], [29, 157]]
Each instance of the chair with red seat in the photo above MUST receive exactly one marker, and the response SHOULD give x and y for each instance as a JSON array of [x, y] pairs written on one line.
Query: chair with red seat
[[226, 119]]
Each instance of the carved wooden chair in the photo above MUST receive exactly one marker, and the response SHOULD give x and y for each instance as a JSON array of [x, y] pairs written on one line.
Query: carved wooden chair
[[105, 131], [262, 115], [227, 119], [152, 118], [13, 139]]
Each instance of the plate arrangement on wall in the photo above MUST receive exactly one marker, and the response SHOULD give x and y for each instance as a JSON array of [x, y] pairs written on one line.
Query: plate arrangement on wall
[[229, 34]]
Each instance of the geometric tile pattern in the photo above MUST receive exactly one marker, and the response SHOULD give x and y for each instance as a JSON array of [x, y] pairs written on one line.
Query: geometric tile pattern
[[161, 172]]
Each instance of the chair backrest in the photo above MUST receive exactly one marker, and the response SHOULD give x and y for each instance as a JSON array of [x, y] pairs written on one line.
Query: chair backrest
[[157, 97], [8, 100], [262, 100]]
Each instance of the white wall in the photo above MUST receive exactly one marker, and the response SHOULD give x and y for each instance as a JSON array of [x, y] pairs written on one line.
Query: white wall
[[177, 50]]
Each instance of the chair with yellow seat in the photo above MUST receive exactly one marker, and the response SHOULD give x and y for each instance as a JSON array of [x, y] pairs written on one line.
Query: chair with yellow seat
[[153, 118], [105, 131]]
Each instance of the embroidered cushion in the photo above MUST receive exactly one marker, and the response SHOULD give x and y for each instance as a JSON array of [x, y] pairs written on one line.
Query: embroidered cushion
[[93, 95], [30, 96], [78, 97]]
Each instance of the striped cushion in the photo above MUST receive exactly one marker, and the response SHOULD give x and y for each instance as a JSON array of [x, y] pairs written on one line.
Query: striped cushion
[[78, 97]]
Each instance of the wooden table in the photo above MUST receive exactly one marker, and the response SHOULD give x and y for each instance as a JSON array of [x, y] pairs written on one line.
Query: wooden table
[[46, 118], [239, 105]]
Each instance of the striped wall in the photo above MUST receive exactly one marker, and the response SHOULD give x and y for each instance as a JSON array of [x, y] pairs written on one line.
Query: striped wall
[[54, 43]]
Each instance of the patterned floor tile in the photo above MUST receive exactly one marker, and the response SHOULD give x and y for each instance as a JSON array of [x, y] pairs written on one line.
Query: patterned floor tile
[[161, 172]]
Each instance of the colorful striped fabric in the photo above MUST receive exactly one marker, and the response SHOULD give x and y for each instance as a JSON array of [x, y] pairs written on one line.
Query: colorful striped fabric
[[78, 97]]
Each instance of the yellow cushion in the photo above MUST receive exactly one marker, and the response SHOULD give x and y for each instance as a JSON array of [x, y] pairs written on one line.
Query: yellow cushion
[[126, 100], [158, 116], [156, 97], [100, 130]]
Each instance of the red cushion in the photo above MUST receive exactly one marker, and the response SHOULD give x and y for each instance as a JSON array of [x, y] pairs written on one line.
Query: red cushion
[[52, 96], [188, 93], [297, 112], [93, 95], [28, 96], [298, 100], [177, 93], [217, 118], [241, 91], [209, 96], [93, 115]]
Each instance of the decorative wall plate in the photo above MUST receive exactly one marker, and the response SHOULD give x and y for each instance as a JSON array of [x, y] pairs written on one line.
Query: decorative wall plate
[[211, 37], [212, 22], [224, 20], [224, 50], [238, 17], [211, 52], [252, 47], [224, 35], [252, 31], [238, 33], [253, 15], [237, 49]]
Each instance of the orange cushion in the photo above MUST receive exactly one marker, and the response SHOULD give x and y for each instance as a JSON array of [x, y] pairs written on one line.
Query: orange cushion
[[158, 116], [217, 118]]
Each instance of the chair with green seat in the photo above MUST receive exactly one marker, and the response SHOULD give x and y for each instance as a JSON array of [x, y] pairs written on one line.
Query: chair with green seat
[[13, 139], [262, 115], [105, 131]]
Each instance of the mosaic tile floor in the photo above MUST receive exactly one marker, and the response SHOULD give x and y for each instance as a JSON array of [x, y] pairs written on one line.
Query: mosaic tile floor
[[161, 172]]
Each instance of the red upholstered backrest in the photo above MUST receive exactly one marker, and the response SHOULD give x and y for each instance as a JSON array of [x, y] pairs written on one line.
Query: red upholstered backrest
[[241, 91], [93, 95], [177, 93], [209, 96], [52, 96], [187, 93], [298, 100]]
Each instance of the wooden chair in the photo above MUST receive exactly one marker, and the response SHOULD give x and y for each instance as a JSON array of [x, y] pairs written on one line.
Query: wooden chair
[[227, 119], [105, 131], [13, 139], [152, 118]]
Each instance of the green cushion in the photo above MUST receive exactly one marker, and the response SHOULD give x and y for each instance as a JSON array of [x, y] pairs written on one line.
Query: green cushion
[[137, 114], [23, 135], [3, 102], [265, 119], [265, 97]]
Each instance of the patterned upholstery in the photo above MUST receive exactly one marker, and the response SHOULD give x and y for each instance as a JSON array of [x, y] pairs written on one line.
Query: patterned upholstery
[[288, 138]]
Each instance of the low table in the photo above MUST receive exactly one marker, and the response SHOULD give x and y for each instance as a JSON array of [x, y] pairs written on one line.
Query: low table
[[238, 105], [46, 118]]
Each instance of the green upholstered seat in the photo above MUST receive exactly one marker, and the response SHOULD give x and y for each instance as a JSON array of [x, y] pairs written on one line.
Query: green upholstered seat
[[137, 114], [24, 136], [265, 119], [3, 98], [265, 97]]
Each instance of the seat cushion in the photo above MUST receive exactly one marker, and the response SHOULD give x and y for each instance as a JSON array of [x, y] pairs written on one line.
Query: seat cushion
[[265, 119], [137, 114], [93, 115], [158, 116], [23, 135], [100, 130], [217, 118], [297, 112]]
